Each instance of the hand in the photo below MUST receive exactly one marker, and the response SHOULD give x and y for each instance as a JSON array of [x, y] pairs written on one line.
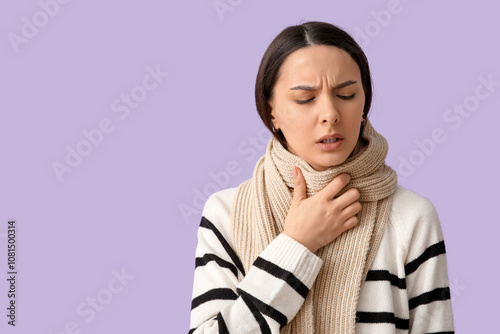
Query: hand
[[319, 219]]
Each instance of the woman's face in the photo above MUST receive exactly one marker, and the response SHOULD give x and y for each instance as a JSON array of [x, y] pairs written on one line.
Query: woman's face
[[319, 92]]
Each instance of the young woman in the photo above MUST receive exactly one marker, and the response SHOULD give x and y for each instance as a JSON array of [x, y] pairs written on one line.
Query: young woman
[[321, 239]]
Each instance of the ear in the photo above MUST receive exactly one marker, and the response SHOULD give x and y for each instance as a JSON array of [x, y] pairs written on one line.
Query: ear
[[273, 115], [276, 127], [275, 122]]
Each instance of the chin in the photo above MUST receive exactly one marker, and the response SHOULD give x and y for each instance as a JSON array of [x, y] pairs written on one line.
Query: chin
[[325, 164]]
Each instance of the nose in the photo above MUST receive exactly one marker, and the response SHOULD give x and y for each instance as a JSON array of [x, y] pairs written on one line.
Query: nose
[[328, 112]]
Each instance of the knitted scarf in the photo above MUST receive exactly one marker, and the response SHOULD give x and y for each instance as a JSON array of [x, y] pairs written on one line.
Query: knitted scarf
[[260, 207]]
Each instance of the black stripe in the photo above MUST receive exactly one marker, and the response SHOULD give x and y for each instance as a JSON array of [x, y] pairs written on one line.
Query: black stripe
[[222, 324], [266, 309], [430, 252], [382, 317], [201, 261], [208, 224], [429, 297], [220, 321], [385, 275], [264, 326], [214, 294], [283, 274]]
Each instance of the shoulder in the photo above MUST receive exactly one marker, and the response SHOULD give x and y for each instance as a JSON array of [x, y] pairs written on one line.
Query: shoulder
[[409, 204], [217, 211], [219, 203], [414, 217]]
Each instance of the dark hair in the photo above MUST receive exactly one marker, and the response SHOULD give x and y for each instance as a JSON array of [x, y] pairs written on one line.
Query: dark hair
[[296, 37]]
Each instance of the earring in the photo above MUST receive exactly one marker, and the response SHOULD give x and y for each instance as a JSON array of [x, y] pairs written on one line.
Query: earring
[[363, 122], [274, 130]]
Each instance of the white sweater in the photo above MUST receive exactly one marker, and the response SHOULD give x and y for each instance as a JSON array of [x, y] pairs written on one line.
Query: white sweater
[[406, 289]]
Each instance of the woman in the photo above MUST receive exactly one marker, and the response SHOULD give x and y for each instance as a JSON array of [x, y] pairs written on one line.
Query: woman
[[321, 239]]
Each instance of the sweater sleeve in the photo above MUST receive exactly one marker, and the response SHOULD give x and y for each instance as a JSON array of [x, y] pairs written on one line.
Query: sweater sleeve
[[427, 275], [226, 300]]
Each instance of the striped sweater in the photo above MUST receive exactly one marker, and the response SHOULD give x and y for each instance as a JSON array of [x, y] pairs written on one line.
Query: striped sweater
[[406, 289]]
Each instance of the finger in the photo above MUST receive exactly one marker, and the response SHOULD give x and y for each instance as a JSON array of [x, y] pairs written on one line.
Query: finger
[[299, 185], [351, 222], [351, 210], [347, 198], [332, 188]]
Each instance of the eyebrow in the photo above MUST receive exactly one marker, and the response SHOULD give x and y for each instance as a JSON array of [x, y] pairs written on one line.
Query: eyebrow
[[310, 88]]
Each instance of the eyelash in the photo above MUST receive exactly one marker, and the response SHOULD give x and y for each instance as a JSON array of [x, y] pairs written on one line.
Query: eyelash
[[350, 97]]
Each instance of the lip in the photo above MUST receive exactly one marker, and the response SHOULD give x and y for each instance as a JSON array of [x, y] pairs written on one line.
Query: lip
[[334, 135], [330, 146]]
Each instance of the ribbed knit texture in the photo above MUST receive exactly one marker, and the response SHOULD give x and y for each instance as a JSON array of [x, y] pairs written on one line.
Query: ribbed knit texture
[[261, 205]]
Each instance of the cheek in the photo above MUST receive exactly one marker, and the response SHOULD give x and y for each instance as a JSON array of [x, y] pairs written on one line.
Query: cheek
[[355, 112], [291, 118], [300, 126]]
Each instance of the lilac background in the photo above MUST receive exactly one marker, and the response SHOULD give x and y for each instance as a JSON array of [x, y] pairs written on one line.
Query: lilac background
[[120, 208]]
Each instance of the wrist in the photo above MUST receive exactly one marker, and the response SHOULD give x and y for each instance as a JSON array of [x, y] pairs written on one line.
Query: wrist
[[305, 244]]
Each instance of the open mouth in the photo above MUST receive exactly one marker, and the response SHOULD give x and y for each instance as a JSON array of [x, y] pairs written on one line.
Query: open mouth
[[329, 140]]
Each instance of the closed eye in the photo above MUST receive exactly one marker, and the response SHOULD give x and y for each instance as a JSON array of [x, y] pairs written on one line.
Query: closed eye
[[304, 101], [343, 97]]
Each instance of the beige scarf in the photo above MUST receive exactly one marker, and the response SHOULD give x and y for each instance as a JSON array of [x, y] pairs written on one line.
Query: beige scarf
[[260, 207]]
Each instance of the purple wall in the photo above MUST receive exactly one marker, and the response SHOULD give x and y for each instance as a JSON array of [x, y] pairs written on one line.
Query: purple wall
[[117, 115]]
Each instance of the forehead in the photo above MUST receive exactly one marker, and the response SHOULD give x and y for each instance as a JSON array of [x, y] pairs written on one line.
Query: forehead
[[318, 62]]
